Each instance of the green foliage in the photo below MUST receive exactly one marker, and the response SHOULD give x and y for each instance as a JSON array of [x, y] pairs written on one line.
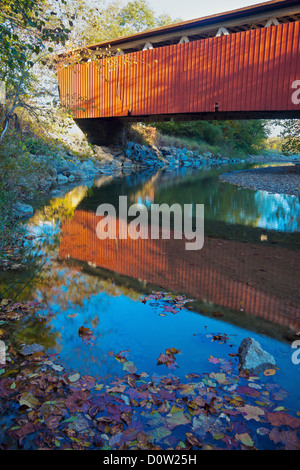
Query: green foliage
[[29, 30], [116, 20], [246, 136], [291, 134]]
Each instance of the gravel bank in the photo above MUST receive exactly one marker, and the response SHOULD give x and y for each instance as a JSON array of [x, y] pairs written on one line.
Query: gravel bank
[[281, 180]]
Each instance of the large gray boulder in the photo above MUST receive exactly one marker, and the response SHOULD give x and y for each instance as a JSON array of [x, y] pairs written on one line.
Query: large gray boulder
[[253, 358], [88, 167]]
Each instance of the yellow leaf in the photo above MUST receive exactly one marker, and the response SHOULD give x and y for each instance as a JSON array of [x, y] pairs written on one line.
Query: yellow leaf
[[245, 439], [99, 386], [268, 372]]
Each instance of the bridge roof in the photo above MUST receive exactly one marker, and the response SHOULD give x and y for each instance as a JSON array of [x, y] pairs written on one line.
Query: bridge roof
[[241, 19]]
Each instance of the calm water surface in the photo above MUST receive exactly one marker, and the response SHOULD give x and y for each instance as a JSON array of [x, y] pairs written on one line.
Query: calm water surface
[[245, 280]]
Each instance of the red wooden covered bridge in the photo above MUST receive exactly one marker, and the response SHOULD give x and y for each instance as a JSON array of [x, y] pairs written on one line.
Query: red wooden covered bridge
[[241, 64]]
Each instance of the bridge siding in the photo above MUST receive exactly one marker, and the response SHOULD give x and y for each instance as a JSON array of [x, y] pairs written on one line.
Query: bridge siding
[[248, 71]]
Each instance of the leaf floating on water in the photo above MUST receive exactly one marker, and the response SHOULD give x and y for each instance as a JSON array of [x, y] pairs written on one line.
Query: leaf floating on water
[[168, 358], [252, 412], [192, 439], [129, 367], [173, 351], [245, 439], [211, 409], [280, 418], [214, 360], [268, 372], [263, 431], [73, 378], [56, 367], [29, 400], [120, 357], [84, 332], [287, 437]]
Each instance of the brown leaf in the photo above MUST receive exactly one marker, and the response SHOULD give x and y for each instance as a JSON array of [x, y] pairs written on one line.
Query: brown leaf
[[120, 358], [116, 429], [26, 429], [280, 418], [116, 389], [289, 438], [126, 416], [193, 440], [85, 333], [168, 358], [53, 422]]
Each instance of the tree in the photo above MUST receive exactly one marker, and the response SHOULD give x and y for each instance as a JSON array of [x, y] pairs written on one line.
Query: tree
[[29, 31], [291, 134], [247, 135], [117, 20]]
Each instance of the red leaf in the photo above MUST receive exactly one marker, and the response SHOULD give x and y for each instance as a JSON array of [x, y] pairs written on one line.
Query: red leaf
[[280, 418]]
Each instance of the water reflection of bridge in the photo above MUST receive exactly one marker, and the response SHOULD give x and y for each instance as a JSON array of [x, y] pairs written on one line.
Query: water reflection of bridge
[[245, 277], [258, 280]]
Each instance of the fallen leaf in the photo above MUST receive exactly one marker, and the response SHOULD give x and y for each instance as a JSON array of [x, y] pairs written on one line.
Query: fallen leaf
[[251, 412], [85, 333], [280, 418], [192, 439], [74, 377], [29, 400], [268, 372], [129, 367], [245, 439], [213, 360], [289, 438]]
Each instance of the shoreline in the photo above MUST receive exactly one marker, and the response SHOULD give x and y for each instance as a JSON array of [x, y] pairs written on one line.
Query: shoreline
[[57, 174], [282, 179]]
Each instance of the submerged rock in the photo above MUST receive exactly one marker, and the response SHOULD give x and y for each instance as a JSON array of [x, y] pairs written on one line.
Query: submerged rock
[[23, 210], [28, 349], [253, 358]]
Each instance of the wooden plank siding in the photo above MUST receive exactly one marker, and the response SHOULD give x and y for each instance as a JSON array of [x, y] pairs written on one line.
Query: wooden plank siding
[[247, 71]]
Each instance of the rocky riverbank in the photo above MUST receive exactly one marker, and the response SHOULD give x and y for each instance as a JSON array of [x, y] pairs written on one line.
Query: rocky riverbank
[[274, 179], [67, 169]]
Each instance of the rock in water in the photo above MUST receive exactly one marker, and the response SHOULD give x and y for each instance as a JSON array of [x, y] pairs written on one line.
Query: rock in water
[[28, 349], [253, 358], [23, 210]]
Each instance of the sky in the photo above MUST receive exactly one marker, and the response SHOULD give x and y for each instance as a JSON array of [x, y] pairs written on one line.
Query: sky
[[189, 9]]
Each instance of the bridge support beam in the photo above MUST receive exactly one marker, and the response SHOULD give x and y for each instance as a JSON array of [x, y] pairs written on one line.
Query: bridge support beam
[[103, 131]]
